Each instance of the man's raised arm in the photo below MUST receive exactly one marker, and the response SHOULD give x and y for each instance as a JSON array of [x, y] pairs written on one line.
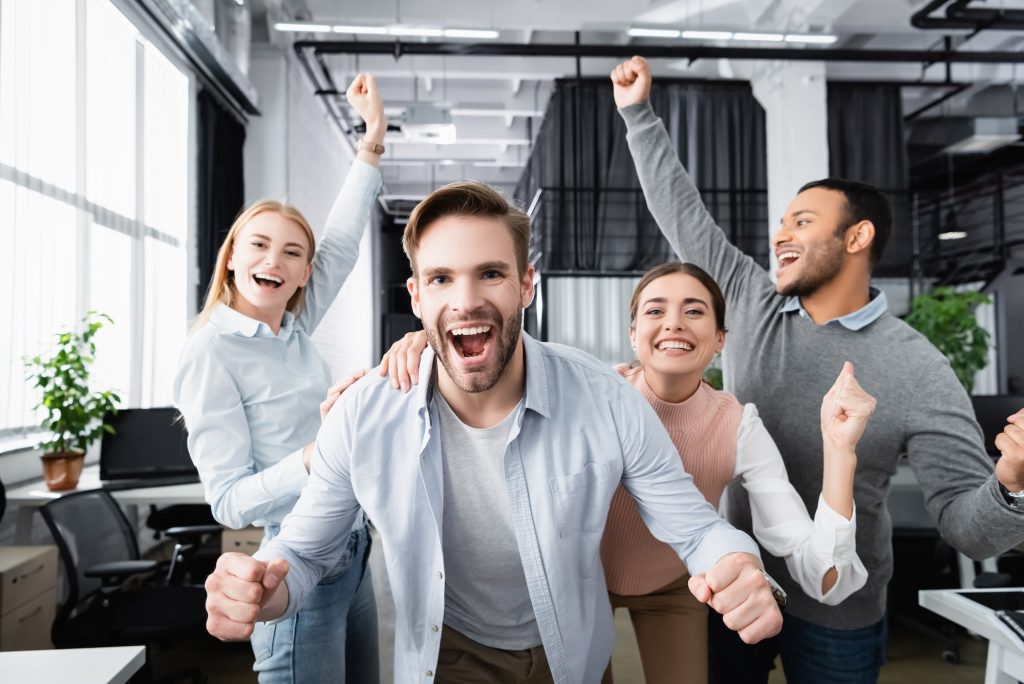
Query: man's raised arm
[[671, 195]]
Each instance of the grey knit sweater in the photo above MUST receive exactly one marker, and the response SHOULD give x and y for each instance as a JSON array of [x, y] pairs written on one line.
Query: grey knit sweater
[[785, 363]]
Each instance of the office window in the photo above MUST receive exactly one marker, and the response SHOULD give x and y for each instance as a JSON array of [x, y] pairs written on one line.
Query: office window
[[94, 197]]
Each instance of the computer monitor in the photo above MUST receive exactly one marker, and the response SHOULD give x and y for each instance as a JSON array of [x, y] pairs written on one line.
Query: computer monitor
[[147, 444], [992, 412]]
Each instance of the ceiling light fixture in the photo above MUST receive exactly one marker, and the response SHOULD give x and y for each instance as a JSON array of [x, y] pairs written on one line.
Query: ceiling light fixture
[[366, 30], [707, 35], [759, 37], [485, 34], [302, 27], [415, 31], [811, 38], [953, 235], [652, 33], [467, 111]]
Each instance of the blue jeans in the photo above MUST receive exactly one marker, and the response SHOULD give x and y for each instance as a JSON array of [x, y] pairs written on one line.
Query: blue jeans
[[811, 654], [333, 636]]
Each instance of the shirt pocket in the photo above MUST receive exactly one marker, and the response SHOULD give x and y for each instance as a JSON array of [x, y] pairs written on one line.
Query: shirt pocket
[[581, 499]]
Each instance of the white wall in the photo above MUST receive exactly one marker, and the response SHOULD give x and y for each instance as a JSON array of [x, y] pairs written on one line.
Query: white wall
[[293, 152]]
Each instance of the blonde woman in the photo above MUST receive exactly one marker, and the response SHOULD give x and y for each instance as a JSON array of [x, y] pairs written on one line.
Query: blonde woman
[[249, 386]]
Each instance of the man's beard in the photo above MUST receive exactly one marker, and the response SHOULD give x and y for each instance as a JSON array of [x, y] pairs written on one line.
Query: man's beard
[[506, 340], [821, 265]]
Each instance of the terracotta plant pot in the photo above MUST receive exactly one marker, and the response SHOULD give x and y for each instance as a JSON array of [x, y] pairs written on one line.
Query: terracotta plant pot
[[62, 470]]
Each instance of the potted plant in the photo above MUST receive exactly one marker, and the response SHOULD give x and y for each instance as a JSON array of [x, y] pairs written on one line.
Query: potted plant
[[946, 318], [74, 415]]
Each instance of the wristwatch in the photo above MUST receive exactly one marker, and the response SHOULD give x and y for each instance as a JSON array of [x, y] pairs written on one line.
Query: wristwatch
[[375, 148], [778, 593], [1014, 499]]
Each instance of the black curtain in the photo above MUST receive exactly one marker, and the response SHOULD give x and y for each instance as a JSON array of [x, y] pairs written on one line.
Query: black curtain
[[592, 216], [221, 191], [867, 143]]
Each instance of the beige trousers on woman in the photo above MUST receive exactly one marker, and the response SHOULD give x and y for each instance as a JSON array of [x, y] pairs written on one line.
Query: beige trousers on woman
[[672, 632]]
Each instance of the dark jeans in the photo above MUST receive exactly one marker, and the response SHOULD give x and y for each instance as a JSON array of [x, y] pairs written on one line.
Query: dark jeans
[[811, 654]]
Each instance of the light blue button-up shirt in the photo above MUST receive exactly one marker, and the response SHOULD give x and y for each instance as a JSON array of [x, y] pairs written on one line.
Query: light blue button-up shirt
[[582, 429], [250, 398], [861, 318]]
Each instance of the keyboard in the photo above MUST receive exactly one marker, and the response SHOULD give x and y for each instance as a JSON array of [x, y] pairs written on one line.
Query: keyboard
[[145, 482]]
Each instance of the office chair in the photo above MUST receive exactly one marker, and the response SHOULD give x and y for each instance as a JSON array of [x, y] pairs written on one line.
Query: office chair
[[99, 555], [197, 535], [3, 500]]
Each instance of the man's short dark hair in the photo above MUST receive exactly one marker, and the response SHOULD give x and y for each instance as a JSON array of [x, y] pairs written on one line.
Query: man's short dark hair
[[863, 203]]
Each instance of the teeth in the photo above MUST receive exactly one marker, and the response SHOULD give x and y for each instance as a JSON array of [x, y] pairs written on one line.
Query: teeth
[[788, 255], [478, 330], [267, 276], [672, 344]]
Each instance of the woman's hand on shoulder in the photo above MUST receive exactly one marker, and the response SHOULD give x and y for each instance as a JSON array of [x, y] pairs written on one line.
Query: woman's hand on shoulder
[[336, 390], [845, 411], [402, 361]]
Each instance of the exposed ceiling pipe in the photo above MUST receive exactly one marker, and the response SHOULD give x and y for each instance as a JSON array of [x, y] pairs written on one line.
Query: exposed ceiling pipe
[[960, 16], [690, 52], [986, 18]]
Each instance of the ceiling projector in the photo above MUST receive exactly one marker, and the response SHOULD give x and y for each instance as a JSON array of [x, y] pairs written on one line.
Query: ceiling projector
[[428, 123]]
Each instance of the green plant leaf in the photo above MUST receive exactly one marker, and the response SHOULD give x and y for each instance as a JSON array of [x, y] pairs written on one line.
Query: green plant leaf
[[946, 318]]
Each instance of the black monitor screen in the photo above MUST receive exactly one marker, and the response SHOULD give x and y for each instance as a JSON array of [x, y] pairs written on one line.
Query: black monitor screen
[[998, 600], [148, 443]]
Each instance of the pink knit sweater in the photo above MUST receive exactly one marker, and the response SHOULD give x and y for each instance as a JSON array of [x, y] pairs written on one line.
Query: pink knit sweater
[[704, 429]]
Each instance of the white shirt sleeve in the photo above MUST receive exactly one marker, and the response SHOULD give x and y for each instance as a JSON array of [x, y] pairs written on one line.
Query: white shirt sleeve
[[220, 445], [338, 249], [782, 524]]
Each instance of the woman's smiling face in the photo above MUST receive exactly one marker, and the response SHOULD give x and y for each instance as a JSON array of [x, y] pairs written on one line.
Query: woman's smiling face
[[270, 260], [675, 332]]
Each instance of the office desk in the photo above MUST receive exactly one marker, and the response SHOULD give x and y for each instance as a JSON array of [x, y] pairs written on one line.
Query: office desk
[[1005, 663], [27, 498], [80, 665]]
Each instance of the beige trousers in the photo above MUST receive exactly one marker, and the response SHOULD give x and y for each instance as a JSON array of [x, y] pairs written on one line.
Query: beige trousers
[[672, 632]]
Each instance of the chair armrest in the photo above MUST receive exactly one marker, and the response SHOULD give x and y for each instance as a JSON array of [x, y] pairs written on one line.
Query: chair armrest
[[121, 568], [192, 530]]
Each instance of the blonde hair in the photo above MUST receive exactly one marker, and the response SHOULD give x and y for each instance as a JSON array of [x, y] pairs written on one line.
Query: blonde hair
[[222, 284], [468, 198]]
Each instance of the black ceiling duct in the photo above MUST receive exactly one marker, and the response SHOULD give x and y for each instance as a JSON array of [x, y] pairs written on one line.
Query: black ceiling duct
[[960, 16]]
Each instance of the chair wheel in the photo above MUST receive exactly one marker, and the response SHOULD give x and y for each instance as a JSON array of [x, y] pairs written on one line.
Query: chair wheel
[[951, 656]]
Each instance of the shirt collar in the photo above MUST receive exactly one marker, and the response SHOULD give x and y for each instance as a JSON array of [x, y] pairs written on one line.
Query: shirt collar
[[861, 318], [238, 323], [537, 397]]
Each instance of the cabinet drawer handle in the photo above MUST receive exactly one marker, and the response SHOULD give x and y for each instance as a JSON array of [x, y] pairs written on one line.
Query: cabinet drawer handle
[[32, 614], [30, 572]]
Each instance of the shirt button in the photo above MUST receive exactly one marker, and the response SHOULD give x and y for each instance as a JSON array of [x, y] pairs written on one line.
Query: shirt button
[[433, 628], [440, 575], [429, 673]]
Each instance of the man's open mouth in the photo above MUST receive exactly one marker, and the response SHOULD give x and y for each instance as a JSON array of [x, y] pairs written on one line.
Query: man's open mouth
[[472, 342]]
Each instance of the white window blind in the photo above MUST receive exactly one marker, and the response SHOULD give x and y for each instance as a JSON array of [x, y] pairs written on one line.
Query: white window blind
[[94, 135]]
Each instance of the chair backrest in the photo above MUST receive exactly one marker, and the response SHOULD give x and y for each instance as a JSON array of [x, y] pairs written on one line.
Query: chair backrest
[[992, 412], [89, 528], [3, 499]]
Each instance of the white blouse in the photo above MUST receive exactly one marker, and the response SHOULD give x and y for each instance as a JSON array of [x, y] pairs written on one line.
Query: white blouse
[[782, 524]]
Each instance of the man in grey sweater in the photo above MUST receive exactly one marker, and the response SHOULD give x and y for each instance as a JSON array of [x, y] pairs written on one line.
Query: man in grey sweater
[[785, 340]]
